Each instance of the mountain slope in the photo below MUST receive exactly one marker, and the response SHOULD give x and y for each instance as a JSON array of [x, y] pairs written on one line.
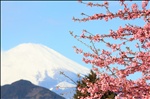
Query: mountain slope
[[40, 65], [23, 89]]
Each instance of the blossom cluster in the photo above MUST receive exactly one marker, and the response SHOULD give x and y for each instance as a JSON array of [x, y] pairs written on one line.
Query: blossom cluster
[[115, 79]]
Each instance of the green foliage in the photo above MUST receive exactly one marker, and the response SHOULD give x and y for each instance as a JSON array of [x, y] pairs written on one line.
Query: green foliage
[[92, 77], [109, 95]]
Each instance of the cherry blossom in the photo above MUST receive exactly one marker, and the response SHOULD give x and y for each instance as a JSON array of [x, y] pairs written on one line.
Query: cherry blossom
[[118, 61]]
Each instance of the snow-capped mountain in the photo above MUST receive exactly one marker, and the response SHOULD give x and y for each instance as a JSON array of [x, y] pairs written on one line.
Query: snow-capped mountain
[[40, 65]]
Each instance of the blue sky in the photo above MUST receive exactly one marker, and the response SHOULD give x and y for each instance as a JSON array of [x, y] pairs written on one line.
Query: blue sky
[[49, 23]]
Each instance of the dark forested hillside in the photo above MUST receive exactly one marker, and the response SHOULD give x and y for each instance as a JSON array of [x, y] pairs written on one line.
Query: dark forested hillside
[[24, 89]]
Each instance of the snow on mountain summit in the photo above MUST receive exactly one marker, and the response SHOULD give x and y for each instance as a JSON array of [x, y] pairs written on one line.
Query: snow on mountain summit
[[37, 63]]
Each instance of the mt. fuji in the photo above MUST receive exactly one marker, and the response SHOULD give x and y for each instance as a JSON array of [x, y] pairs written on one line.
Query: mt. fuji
[[42, 66]]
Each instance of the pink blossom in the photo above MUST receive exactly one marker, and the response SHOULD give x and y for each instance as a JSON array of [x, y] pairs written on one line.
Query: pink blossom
[[144, 3], [135, 7], [131, 53], [106, 3], [90, 4]]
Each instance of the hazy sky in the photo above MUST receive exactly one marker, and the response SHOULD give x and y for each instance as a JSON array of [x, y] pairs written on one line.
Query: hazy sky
[[49, 23]]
